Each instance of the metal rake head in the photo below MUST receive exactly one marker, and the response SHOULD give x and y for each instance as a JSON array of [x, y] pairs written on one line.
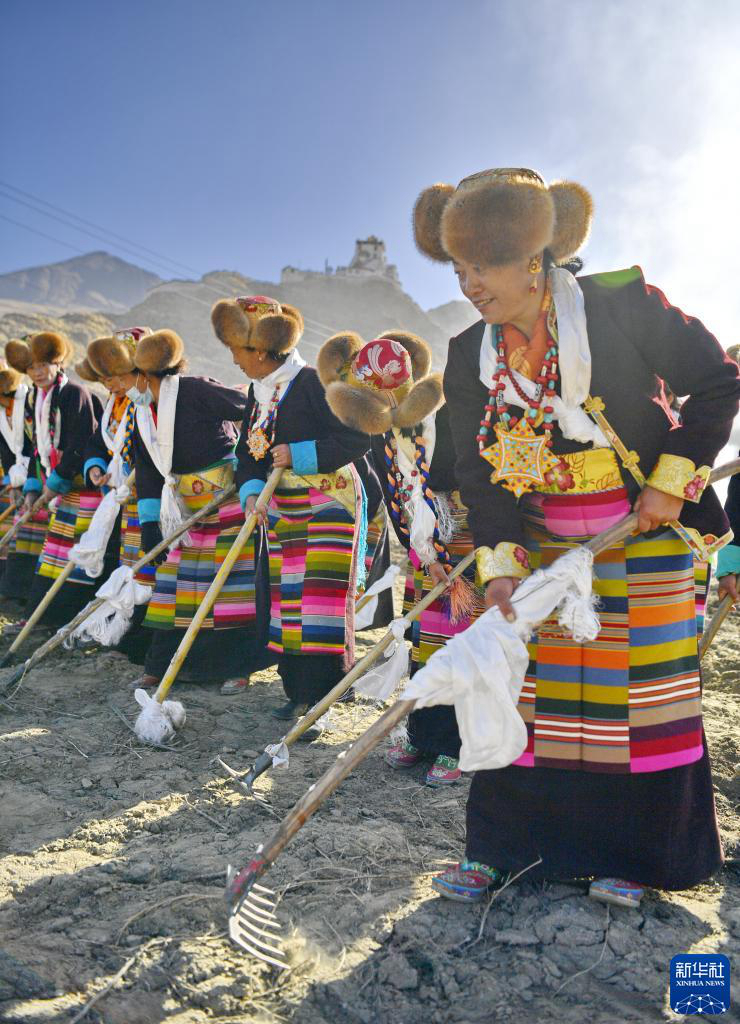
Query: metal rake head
[[252, 921]]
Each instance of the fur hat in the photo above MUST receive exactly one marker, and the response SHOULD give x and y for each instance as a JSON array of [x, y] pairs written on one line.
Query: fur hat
[[50, 347], [113, 356], [382, 384], [18, 354], [500, 216], [85, 371], [9, 380], [255, 321], [159, 351]]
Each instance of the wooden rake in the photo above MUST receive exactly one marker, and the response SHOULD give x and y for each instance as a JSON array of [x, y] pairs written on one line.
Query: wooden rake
[[264, 761], [61, 635], [48, 597], [252, 923], [36, 507], [144, 720]]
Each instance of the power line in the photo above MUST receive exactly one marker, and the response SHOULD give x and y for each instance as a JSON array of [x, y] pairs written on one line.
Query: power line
[[43, 234], [99, 227], [93, 234]]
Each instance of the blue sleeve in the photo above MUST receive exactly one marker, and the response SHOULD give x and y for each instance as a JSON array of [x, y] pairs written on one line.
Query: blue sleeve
[[57, 483], [148, 510], [32, 485], [305, 457], [728, 560], [248, 488]]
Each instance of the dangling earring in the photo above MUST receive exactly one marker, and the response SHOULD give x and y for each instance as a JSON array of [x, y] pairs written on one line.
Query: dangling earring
[[535, 266]]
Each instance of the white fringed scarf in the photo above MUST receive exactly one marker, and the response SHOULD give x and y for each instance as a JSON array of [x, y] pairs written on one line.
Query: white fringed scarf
[[114, 442], [47, 438], [265, 388], [421, 518], [574, 356], [159, 440], [13, 432]]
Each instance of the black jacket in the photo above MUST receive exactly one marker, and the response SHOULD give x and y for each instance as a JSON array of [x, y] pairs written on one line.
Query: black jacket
[[78, 422], [637, 339], [204, 432], [303, 415]]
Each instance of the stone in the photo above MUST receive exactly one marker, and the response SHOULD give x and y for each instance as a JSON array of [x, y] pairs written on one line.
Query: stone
[[620, 939], [575, 935], [86, 783], [138, 871], [20, 982], [397, 972], [545, 930], [516, 937]]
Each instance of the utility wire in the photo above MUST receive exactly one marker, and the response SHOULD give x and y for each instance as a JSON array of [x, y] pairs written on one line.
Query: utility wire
[[98, 227]]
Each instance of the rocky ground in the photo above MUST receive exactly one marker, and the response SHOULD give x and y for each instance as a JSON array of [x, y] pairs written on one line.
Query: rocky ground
[[113, 858]]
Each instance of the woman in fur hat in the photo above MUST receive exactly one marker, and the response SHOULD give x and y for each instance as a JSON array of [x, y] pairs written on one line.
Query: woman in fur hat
[[316, 516], [385, 389], [184, 456], [64, 420], [109, 458], [557, 435], [17, 449]]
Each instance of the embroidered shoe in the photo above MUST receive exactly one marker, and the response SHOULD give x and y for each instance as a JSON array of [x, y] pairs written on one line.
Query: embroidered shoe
[[443, 772], [403, 755], [467, 882], [232, 686], [616, 890]]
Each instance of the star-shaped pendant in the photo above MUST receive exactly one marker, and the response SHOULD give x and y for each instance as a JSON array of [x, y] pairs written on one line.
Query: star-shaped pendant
[[258, 443], [520, 458]]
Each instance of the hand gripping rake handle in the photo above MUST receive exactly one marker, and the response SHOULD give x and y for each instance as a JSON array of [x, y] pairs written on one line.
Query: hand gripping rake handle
[[61, 635], [49, 596], [215, 588], [264, 761], [714, 625], [36, 507], [241, 883]]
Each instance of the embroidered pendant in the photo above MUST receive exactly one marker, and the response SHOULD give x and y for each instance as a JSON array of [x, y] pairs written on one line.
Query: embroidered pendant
[[520, 458], [258, 443]]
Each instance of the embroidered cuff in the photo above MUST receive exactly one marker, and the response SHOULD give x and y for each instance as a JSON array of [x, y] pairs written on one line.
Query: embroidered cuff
[[505, 559], [32, 485], [100, 463], [304, 456], [677, 475], [248, 488], [57, 483], [148, 509], [728, 561]]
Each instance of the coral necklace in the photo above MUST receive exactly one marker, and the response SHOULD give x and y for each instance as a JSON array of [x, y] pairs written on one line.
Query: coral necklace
[[521, 458]]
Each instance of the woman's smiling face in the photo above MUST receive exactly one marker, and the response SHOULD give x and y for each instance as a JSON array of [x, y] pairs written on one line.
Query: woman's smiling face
[[501, 294]]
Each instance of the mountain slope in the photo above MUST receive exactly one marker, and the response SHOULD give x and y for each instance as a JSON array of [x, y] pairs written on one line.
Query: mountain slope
[[96, 281]]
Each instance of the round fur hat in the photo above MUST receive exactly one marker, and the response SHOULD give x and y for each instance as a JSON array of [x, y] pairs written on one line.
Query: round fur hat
[[50, 347], [110, 357], [18, 354], [9, 380], [382, 384], [159, 351], [258, 322], [85, 371], [502, 215]]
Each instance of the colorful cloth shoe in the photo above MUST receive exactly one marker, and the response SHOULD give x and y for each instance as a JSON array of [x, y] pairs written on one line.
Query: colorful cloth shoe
[[443, 772], [403, 755], [236, 685], [467, 882], [616, 890]]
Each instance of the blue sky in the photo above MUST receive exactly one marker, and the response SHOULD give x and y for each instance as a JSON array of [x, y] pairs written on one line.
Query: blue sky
[[227, 134]]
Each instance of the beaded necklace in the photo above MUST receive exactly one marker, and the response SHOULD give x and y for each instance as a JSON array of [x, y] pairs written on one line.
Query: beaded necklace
[[260, 438]]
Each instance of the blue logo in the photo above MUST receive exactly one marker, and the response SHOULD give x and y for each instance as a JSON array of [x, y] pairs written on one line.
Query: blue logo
[[700, 983]]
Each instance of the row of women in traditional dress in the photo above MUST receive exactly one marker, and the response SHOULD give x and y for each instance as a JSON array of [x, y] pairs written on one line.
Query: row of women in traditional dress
[[550, 424]]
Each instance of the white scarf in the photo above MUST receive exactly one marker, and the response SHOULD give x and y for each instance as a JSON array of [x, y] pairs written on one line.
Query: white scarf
[[13, 432], [420, 515], [265, 388], [575, 363], [114, 442], [45, 439], [159, 440]]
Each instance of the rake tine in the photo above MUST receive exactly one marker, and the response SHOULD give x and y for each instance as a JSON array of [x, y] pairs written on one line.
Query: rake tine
[[265, 922], [239, 939], [264, 915], [263, 888]]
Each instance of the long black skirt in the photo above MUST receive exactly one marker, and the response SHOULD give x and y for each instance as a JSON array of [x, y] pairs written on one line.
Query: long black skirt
[[216, 654], [309, 677], [434, 731], [658, 829], [18, 576]]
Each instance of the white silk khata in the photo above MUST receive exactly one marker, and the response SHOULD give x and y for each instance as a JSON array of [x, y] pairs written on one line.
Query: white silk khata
[[481, 671]]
